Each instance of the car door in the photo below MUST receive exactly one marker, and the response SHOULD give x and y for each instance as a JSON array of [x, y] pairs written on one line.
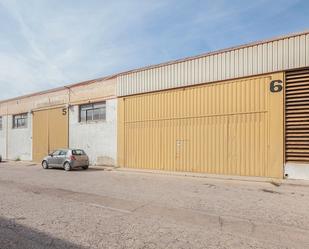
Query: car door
[[61, 158], [52, 160]]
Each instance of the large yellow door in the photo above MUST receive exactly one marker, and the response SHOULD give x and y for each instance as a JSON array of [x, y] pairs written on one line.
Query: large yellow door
[[58, 129], [233, 127], [39, 135], [50, 131]]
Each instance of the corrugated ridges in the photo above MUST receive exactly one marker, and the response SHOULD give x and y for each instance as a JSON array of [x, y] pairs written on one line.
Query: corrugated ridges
[[280, 54]]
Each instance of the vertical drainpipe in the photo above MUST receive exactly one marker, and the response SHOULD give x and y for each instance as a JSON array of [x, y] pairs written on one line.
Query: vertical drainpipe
[[69, 116], [7, 133], [68, 113]]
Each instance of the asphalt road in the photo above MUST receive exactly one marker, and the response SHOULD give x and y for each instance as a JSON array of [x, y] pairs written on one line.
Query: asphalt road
[[119, 209]]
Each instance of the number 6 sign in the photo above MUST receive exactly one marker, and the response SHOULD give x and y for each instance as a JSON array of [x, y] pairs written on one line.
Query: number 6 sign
[[276, 86]]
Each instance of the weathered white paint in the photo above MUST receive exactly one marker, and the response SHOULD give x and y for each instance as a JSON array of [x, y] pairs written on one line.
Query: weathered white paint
[[3, 138], [20, 141], [284, 53], [297, 171], [98, 139]]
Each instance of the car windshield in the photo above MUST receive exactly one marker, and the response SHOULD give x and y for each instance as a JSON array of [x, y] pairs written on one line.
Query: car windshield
[[78, 152]]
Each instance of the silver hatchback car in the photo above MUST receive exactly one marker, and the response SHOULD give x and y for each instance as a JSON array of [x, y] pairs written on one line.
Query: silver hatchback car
[[66, 159]]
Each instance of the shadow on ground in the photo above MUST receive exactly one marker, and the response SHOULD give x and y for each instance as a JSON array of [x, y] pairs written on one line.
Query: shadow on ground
[[97, 168], [80, 169], [17, 236]]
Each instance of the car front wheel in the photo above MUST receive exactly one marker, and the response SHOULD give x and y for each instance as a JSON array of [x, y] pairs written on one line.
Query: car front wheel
[[67, 166], [45, 165]]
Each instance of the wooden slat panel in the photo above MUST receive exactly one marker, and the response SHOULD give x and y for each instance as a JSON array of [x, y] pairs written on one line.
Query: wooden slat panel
[[297, 116], [291, 81], [298, 95], [294, 87], [296, 73], [290, 100], [296, 107], [305, 143], [297, 92], [298, 76], [296, 103]]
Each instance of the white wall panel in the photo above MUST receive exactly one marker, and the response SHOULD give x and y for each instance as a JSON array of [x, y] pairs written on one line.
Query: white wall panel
[[20, 140], [97, 138], [3, 136]]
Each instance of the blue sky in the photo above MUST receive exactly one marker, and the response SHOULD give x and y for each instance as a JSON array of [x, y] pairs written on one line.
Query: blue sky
[[49, 43]]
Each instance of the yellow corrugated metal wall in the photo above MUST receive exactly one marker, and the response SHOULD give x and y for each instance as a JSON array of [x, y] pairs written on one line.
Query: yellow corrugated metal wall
[[233, 127], [50, 131], [39, 135]]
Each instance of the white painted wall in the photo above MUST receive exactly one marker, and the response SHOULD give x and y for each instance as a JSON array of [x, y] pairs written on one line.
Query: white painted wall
[[3, 137], [98, 139], [20, 141], [297, 171]]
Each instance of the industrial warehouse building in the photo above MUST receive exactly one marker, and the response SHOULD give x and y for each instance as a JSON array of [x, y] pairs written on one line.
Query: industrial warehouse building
[[82, 115], [241, 111]]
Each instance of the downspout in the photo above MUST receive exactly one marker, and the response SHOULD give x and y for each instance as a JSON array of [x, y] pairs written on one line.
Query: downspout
[[69, 104], [7, 133], [68, 113]]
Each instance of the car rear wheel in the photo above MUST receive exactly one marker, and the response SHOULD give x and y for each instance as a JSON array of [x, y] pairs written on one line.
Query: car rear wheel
[[45, 165], [67, 166], [85, 167]]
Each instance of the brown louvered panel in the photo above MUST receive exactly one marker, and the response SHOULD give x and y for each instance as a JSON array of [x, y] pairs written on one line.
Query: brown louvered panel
[[297, 116]]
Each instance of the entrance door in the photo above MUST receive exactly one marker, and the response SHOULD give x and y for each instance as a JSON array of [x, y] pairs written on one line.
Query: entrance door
[[232, 128], [50, 132]]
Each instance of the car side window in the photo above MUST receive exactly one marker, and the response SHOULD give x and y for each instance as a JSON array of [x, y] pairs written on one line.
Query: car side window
[[62, 153]]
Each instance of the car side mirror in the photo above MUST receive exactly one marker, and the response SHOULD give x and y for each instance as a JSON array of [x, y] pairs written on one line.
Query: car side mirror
[[51, 154]]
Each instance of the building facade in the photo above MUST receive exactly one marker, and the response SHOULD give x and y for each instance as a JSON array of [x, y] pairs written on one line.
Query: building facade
[[82, 115], [241, 111]]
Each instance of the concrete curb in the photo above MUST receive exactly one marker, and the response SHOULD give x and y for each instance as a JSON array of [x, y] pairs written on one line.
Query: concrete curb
[[276, 182]]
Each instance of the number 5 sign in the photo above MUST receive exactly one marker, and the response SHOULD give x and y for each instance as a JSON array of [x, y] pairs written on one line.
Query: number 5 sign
[[64, 111]]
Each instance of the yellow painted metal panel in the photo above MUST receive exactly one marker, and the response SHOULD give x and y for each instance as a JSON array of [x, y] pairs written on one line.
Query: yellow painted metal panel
[[276, 130], [58, 128], [120, 131], [40, 135], [50, 131], [233, 127]]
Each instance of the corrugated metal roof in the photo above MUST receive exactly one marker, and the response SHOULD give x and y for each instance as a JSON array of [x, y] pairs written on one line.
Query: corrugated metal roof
[[281, 53]]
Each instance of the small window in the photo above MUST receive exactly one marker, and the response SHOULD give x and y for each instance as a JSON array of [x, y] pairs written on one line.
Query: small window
[[0, 123], [20, 121], [63, 153], [78, 152], [92, 112], [56, 153]]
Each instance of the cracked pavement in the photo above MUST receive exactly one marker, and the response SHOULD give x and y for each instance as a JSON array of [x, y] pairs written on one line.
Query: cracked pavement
[[122, 209]]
